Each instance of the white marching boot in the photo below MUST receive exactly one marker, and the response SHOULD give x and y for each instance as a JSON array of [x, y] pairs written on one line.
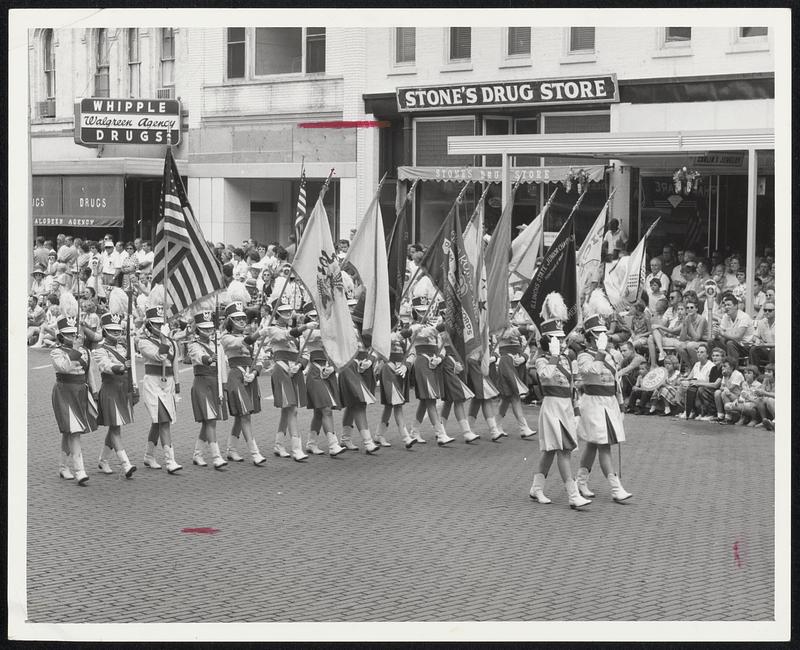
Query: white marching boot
[[216, 456], [525, 431], [63, 469], [496, 431], [442, 438], [297, 449], [380, 439], [582, 479], [537, 493], [197, 456], [466, 431], [369, 444], [103, 463], [230, 449], [618, 493], [417, 436], [149, 459], [575, 498], [280, 448], [127, 467], [346, 441], [169, 460], [80, 472], [312, 446], [334, 448], [255, 454], [408, 440]]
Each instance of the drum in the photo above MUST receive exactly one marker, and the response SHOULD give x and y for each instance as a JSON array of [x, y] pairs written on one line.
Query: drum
[[654, 379]]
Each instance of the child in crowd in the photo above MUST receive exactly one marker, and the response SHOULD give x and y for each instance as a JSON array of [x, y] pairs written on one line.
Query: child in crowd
[[638, 397], [729, 390], [765, 398], [668, 394], [743, 410]]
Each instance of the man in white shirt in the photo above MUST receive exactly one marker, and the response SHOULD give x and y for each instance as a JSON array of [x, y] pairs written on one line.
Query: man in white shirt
[[763, 349], [734, 332], [614, 240], [693, 282], [146, 257], [656, 272], [732, 382], [108, 262]]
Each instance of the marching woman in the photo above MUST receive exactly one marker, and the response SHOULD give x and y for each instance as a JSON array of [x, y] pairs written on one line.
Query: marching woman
[[455, 391], [322, 389], [288, 382], [510, 374], [115, 404], [207, 405], [485, 395], [73, 405], [427, 371], [600, 422], [356, 395], [394, 375], [243, 392], [159, 353], [557, 436]]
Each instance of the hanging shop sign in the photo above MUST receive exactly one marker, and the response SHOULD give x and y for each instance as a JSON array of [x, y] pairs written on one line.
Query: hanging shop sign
[[127, 121], [553, 174], [540, 92], [46, 205]]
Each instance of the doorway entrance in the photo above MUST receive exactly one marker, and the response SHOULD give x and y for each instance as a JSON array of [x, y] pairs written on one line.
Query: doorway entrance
[[264, 222]]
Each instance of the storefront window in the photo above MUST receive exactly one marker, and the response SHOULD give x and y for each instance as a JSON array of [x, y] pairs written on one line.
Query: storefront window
[[431, 140], [495, 126], [577, 122], [525, 126]]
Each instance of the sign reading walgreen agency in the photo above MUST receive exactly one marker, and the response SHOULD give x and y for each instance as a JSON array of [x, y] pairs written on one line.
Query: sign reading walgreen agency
[[78, 201], [127, 121], [540, 92]]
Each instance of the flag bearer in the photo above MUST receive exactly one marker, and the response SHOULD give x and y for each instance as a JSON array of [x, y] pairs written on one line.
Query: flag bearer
[[510, 371], [395, 375], [455, 391]]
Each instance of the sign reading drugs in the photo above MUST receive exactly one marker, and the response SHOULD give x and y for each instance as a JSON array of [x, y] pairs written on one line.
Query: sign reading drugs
[[128, 121], [594, 89]]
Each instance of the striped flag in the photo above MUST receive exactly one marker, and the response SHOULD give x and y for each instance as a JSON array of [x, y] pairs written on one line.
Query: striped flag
[[637, 271], [184, 262], [300, 216]]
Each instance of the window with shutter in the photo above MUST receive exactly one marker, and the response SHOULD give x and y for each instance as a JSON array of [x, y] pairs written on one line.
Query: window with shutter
[[519, 41], [677, 34], [101, 82], [431, 141], [49, 65], [405, 51], [460, 43], [236, 52], [581, 39], [167, 56], [134, 64]]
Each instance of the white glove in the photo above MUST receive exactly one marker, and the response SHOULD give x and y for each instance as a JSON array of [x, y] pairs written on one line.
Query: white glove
[[327, 371], [364, 364], [457, 367], [434, 362], [518, 359], [554, 346], [401, 369], [602, 341], [293, 367], [164, 330], [249, 377]]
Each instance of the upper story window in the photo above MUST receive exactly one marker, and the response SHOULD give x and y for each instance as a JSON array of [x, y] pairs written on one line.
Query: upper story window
[[267, 51], [315, 49], [49, 64], [677, 34], [134, 64], [581, 39], [518, 42], [236, 52], [460, 43], [101, 77], [405, 45], [167, 56], [753, 32]]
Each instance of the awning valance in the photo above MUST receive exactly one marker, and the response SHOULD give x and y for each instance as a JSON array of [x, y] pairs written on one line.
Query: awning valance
[[555, 174]]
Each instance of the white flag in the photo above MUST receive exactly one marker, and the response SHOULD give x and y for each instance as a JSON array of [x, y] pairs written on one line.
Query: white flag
[[525, 250], [589, 254]]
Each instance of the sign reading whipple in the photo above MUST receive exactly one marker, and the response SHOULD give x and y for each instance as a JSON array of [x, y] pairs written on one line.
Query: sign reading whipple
[[580, 90], [128, 121]]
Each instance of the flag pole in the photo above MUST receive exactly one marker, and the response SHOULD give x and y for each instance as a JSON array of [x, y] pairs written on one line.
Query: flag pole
[[166, 253], [605, 230]]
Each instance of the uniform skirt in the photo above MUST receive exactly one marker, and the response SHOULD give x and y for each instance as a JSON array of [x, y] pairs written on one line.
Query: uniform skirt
[[352, 389], [243, 399], [287, 390], [114, 405], [480, 384], [510, 378], [206, 403], [73, 406], [601, 420], [557, 429], [427, 381], [159, 398], [394, 388], [455, 390], [321, 393]]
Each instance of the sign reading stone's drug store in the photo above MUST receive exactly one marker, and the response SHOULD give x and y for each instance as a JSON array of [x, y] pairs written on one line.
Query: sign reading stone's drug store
[[128, 121]]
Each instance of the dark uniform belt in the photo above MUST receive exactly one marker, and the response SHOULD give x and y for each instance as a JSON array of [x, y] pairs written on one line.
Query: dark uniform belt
[[511, 349], [605, 391], [396, 356], [556, 391], [66, 378], [239, 362], [318, 355], [109, 378], [206, 371], [284, 355], [150, 369], [426, 349]]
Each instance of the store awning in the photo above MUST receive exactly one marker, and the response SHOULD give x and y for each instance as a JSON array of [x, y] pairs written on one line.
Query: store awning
[[553, 174], [79, 201], [102, 167]]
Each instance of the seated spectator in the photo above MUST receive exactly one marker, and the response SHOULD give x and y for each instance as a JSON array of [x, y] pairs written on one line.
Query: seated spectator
[[48, 330], [668, 261], [667, 395], [677, 278], [638, 399], [666, 334], [763, 273], [639, 326], [698, 376], [740, 290], [706, 390], [759, 297], [744, 409], [765, 398], [770, 293], [619, 329], [730, 281], [734, 332], [656, 272], [42, 284], [730, 389], [763, 349], [693, 282], [629, 370], [654, 295], [36, 316], [675, 299]]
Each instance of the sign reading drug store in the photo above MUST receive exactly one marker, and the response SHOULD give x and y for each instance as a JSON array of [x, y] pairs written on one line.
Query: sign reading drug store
[[127, 121], [540, 92]]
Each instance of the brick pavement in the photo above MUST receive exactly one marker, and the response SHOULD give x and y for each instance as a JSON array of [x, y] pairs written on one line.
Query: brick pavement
[[432, 534]]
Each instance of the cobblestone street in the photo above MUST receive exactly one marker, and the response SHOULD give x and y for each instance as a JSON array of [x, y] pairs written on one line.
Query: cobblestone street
[[431, 534]]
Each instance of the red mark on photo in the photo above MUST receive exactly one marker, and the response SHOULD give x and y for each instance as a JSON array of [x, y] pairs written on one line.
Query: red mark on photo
[[736, 556], [346, 124], [200, 531]]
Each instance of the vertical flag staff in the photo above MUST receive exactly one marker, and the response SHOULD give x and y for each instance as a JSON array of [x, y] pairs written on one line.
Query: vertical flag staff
[[166, 265], [300, 213]]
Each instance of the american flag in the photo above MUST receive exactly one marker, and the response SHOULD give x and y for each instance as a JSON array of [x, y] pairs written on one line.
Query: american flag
[[182, 255], [300, 217]]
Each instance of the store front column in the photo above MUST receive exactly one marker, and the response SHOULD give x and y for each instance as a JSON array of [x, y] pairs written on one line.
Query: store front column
[[206, 196], [752, 189], [620, 208], [348, 199]]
